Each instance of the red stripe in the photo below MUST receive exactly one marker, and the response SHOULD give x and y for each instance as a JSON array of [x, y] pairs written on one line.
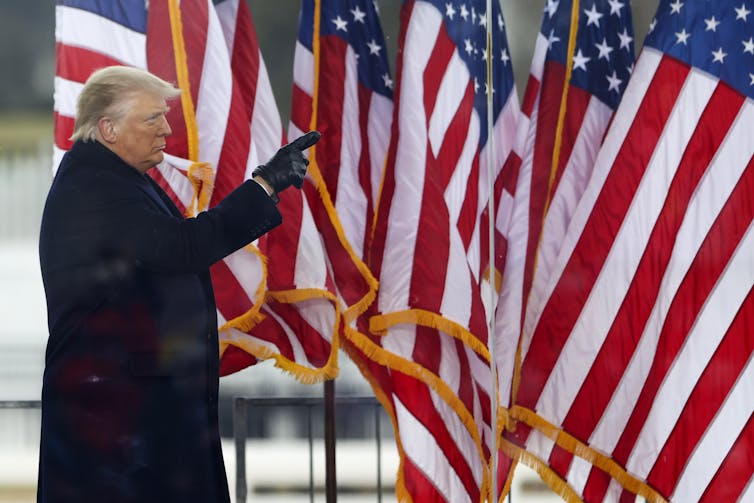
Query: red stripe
[[63, 130], [720, 376], [620, 342], [560, 460], [301, 108], [331, 90], [434, 72], [415, 396], [195, 19], [709, 263], [245, 57], [576, 108], [163, 182], [530, 96], [316, 347], [569, 296], [418, 486], [235, 360], [735, 473], [283, 242], [467, 217], [365, 160], [232, 301], [77, 64]]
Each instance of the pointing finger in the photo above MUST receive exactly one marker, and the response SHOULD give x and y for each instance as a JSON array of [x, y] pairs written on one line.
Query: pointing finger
[[306, 141]]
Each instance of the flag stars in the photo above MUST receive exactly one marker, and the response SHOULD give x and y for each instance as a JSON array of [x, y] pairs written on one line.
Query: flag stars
[[358, 15], [468, 47], [464, 12], [483, 19], [604, 49], [504, 57], [476, 85], [748, 45], [388, 81], [625, 39], [340, 24], [614, 82], [374, 47], [552, 39], [652, 25], [719, 56], [751, 77], [682, 37], [742, 12], [551, 7], [593, 16], [675, 7], [500, 22], [450, 11], [712, 24], [580, 61], [615, 7]]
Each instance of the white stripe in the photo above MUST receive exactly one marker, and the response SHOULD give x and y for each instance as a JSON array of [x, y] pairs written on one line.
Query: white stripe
[[570, 188], [450, 95], [712, 193], [538, 58], [378, 133], [617, 274], [57, 156], [320, 314], [455, 193], [173, 169], [614, 492], [458, 292], [449, 370], [721, 434], [410, 163], [299, 353], [311, 268], [66, 95], [578, 474], [747, 495], [215, 93], [710, 327], [80, 28], [227, 13], [629, 107], [350, 200], [421, 448], [266, 126], [303, 69], [247, 269]]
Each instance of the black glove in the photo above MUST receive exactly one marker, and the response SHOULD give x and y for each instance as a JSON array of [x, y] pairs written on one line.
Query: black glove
[[288, 166]]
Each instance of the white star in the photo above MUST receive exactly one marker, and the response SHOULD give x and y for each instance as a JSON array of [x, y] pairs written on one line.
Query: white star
[[473, 14], [748, 45], [580, 61], [552, 39], [604, 49], [719, 55], [551, 7], [630, 69], [374, 47], [615, 6], [675, 7], [711, 23], [476, 85], [487, 89], [500, 22], [593, 15], [483, 19], [340, 24], [504, 57], [625, 39], [682, 37], [464, 12], [614, 82], [450, 11], [468, 47], [742, 12], [484, 54], [751, 76], [358, 15], [652, 25], [388, 81]]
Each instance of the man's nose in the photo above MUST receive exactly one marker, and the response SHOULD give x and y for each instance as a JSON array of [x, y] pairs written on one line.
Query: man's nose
[[165, 127]]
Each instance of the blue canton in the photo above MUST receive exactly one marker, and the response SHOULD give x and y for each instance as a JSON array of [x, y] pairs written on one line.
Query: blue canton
[[357, 22], [714, 36], [604, 54], [466, 23], [129, 13]]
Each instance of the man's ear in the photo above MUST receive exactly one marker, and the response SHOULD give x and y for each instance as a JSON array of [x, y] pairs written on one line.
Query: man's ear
[[107, 129]]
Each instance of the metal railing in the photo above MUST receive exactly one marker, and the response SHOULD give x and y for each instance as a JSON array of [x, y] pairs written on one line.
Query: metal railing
[[241, 406]]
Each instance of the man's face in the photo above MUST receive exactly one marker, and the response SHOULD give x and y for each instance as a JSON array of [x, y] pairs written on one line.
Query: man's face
[[140, 135]]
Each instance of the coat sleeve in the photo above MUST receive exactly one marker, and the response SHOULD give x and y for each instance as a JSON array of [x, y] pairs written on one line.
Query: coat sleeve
[[160, 242]]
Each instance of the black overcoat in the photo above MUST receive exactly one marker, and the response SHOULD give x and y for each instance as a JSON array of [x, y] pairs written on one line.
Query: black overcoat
[[129, 398]]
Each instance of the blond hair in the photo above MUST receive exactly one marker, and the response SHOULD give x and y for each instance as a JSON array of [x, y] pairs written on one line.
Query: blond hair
[[107, 93]]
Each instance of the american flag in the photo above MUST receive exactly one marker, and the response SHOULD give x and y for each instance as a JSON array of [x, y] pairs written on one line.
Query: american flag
[[342, 88], [640, 359], [430, 322], [582, 61], [225, 124]]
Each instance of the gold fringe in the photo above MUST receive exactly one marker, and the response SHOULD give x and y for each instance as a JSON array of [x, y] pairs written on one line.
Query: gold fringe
[[413, 369], [380, 323], [247, 321], [202, 178], [593, 456]]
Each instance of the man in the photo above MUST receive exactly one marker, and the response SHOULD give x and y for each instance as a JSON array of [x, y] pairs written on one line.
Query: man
[[129, 398]]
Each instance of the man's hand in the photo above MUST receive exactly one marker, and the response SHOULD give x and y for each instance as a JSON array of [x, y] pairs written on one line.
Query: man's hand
[[288, 166]]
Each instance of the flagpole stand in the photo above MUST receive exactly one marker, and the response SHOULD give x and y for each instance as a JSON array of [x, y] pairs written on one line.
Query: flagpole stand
[[330, 481]]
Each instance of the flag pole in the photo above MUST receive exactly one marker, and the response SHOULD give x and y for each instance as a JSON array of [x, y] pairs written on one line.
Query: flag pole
[[491, 236]]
